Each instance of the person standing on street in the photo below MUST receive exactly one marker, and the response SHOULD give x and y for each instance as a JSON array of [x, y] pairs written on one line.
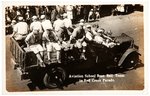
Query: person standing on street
[[20, 31]]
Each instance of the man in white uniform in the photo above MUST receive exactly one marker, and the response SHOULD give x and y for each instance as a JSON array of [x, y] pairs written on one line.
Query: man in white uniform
[[59, 28], [68, 24], [46, 24], [36, 24], [67, 21], [89, 34], [20, 30], [50, 42]]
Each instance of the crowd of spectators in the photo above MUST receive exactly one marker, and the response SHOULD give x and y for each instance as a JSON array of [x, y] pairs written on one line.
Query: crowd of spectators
[[74, 12]]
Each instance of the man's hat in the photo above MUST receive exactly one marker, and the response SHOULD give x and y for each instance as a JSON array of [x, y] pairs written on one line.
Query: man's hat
[[81, 24], [88, 26], [34, 17], [42, 16], [82, 21], [65, 15], [20, 18], [13, 21], [100, 30]]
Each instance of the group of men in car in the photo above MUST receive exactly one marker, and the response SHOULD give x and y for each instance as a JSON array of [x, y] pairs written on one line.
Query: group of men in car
[[43, 35]]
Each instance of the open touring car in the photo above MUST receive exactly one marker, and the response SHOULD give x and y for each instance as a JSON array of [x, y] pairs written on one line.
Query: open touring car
[[125, 55]]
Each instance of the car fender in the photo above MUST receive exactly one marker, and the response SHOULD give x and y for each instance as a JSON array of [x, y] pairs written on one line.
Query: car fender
[[128, 52]]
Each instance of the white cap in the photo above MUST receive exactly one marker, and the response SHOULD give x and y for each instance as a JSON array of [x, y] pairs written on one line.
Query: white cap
[[82, 21], [88, 26], [65, 15], [100, 30], [34, 17], [81, 24], [13, 21], [20, 18], [42, 16]]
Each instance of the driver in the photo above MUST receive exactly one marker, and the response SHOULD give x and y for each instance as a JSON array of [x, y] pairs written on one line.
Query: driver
[[102, 39]]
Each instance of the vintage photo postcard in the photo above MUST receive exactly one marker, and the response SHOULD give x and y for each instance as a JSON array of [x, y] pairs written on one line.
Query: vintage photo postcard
[[73, 47]]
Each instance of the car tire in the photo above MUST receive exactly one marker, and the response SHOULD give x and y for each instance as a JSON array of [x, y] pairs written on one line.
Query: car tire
[[55, 78], [131, 61]]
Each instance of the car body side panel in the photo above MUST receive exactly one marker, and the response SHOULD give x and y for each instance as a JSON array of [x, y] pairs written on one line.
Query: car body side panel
[[18, 54]]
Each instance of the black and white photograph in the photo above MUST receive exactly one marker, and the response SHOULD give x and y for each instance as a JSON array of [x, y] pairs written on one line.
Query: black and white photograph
[[74, 47]]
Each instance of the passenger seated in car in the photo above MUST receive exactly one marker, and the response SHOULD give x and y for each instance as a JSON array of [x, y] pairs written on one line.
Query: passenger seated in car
[[110, 39], [101, 39], [107, 34], [67, 23], [59, 28], [78, 37], [95, 28], [36, 24], [98, 37], [33, 42], [89, 34], [50, 42]]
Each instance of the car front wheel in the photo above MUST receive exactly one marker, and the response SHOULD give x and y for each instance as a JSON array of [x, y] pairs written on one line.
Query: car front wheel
[[131, 61]]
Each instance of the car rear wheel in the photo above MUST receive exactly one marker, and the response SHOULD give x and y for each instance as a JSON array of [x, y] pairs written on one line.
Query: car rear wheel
[[131, 61], [55, 77]]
